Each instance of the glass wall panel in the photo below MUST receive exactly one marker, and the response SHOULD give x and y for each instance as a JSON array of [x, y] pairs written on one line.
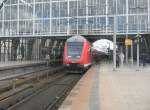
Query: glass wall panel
[[55, 25], [8, 2], [13, 1], [92, 11], [29, 26], [13, 26], [22, 28], [138, 6], [25, 12], [82, 27], [30, 1], [96, 7], [46, 10], [101, 24], [73, 25], [138, 23], [122, 26], [7, 13], [38, 0], [81, 8], [97, 24], [143, 23], [14, 12], [38, 10], [55, 9], [73, 9], [46, 26], [1, 28], [38, 26], [132, 25], [73, 17], [111, 7], [63, 9], [63, 26], [121, 6], [6, 28], [1, 15], [110, 24]]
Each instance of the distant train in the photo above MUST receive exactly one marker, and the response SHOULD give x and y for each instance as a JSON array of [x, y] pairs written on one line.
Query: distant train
[[77, 57], [101, 49]]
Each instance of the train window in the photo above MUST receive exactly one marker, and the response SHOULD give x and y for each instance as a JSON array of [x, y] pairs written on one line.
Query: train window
[[74, 48]]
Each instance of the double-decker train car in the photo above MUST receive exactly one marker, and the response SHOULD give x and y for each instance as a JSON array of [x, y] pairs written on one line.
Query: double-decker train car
[[77, 56]]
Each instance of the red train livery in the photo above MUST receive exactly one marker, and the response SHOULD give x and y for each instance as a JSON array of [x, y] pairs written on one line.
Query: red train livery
[[77, 56]]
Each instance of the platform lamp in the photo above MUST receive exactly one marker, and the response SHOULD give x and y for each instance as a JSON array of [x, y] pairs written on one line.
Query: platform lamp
[[114, 43], [138, 36], [114, 36]]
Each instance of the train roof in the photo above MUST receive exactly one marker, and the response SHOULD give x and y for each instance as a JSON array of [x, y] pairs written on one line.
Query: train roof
[[76, 38], [103, 43]]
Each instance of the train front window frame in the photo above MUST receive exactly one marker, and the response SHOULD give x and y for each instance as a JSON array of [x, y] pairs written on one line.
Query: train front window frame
[[75, 48]]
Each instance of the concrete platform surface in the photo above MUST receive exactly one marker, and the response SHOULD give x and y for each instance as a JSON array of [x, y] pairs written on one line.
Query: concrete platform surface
[[104, 89]]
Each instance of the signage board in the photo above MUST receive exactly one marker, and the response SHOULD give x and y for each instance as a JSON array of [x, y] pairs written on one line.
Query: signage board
[[128, 42]]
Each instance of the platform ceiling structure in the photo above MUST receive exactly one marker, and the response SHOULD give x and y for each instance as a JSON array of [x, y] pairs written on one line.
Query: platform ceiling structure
[[67, 17]]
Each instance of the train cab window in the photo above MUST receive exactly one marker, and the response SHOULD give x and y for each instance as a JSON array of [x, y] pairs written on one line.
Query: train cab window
[[74, 48]]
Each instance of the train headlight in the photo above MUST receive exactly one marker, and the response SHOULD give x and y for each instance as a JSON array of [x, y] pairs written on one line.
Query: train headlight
[[69, 56], [78, 56]]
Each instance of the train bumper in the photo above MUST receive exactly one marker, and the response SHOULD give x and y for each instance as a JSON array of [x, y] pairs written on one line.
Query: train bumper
[[77, 67]]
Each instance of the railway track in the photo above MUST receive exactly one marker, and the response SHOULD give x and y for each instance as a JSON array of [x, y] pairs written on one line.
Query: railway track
[[44, 95], [19, 79], [13, 71]]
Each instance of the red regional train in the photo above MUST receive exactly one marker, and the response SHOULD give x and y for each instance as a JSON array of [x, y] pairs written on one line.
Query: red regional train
[[77, 57]]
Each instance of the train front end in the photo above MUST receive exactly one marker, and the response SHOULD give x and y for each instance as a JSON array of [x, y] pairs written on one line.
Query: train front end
[[76, 54]]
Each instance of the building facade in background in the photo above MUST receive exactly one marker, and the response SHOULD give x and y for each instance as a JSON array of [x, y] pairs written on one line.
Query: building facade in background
[[68, 17]]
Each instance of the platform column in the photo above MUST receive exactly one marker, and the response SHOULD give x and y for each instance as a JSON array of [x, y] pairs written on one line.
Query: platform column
[[30, 48], [4, 42], [126, 25], [35, 50], [60, 50], [50, 48], [9, 40], [42, 45], [54, 49], [15, 43], [114, 45]]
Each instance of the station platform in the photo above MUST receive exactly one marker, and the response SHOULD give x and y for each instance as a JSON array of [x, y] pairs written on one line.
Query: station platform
[[101, 88], [14, 64]]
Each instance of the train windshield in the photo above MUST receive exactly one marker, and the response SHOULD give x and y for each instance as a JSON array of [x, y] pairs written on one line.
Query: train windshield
[[74, 48]]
